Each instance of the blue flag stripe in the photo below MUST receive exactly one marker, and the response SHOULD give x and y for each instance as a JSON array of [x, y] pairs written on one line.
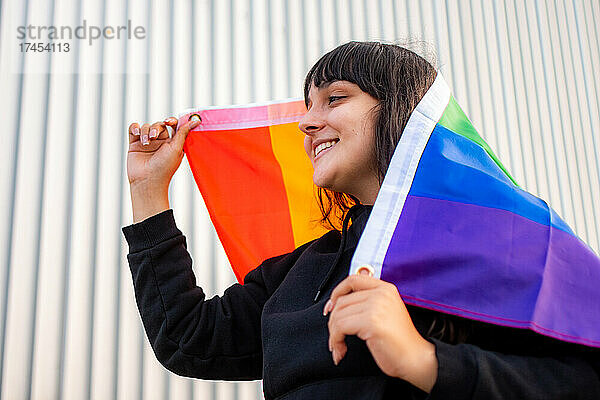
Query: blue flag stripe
[[455, 168]]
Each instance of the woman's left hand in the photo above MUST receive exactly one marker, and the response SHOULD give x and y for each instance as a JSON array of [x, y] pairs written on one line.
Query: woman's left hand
[[373, 310]]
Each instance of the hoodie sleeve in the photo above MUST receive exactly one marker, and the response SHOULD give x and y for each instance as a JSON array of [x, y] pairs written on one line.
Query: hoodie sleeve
[[218, 338], [468, 372]]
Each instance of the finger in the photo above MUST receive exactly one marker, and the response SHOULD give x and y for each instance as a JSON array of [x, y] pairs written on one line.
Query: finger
[[351, 312], [353, 283], [360, 297], [171, 121], [351, 324], [157, 129], [134, 132], [144, 135], [134, 129], [183, 131]]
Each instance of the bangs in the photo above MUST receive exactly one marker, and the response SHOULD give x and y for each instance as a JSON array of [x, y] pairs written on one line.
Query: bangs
[[354, 62]]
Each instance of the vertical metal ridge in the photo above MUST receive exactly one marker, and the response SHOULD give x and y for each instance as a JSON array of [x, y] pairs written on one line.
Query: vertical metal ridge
[[366, 22], [170, 68], [119, 252], [527, 99], [320, 24], [451, 49], [561, 119], [288, 56], [251, 53], [504, 93], [336, 23], [232, 51], [212, 235], [569, 98], [69, 206], [94, 238], [479, 79], [593, 83], [394, 20], [561, 184], [232, 93], [519, 114], [166, 375], [467, 81], [436, 34], [421, 20], [539, 112], [336, 28], [2, 4], [269, 49], [590, 40], [192, 102], [493, 96], [13, 191], [595, 25], [39, 218], [146, 97], [381, 20], [409, 24], [351, 17], [304, 36]]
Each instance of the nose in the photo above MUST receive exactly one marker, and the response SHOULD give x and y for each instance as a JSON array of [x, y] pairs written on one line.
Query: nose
[[311, 122]]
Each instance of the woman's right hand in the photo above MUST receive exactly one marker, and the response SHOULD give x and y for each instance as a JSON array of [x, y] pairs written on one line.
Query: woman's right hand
[[153, 157]]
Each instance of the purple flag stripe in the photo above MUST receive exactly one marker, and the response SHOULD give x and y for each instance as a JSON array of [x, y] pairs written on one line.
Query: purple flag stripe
[[431, 305], [496, 266]]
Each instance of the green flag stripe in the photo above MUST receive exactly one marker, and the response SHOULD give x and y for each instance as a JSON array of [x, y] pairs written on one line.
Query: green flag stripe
[[455, 119]]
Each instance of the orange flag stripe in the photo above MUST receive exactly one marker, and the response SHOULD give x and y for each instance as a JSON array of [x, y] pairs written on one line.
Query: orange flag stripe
[[250, 166], [288, 147], [246, 197]]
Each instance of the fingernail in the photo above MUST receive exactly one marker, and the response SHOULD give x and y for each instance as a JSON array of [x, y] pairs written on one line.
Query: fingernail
[[145, 140], [327, 307], [153, 133], [335, 357], [136, 131], [330, 348], [194, 124]]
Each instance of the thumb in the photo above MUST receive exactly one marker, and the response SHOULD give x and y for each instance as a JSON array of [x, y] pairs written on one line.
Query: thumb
[[182, 133]]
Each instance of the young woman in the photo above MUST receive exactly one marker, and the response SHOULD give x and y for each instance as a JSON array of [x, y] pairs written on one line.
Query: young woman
[[357, 340]]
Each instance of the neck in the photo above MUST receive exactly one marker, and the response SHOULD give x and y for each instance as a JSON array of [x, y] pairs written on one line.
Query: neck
[[369, 193]]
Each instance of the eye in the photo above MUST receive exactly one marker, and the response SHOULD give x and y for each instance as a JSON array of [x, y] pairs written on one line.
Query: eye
[[335, 98]]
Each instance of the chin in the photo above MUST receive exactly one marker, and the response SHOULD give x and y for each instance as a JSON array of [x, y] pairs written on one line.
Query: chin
[[323, 182]]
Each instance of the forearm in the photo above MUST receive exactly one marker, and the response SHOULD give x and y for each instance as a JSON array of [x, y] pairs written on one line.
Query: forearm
[[191, 336], [148, 200], [468, 372]]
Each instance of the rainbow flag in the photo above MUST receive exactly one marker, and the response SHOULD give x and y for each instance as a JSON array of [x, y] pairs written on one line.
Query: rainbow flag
[[450, 226], [256, 180], [452, 230]]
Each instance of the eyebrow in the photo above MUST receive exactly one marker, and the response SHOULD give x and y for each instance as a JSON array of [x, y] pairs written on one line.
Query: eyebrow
[[324, 85]]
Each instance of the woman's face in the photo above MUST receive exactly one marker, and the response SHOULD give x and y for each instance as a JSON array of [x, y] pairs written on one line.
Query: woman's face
[[340, 132]]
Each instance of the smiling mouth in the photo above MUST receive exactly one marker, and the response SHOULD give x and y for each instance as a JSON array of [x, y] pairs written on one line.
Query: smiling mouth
[[324, 146]]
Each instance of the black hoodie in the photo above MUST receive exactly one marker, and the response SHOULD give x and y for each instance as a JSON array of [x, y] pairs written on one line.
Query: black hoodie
[[272, 328]]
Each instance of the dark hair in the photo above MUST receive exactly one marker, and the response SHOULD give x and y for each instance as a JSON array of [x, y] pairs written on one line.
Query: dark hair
[[392, 74]]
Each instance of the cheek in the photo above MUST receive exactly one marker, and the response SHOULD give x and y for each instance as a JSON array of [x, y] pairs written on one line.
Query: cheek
[[308, 146], [366, 143]]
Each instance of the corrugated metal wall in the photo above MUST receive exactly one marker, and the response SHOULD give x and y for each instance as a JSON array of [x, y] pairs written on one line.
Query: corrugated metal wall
[[525, 71]]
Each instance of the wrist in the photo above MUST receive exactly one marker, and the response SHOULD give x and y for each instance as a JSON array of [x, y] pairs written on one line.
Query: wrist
[[148, 199], [423, 367]]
